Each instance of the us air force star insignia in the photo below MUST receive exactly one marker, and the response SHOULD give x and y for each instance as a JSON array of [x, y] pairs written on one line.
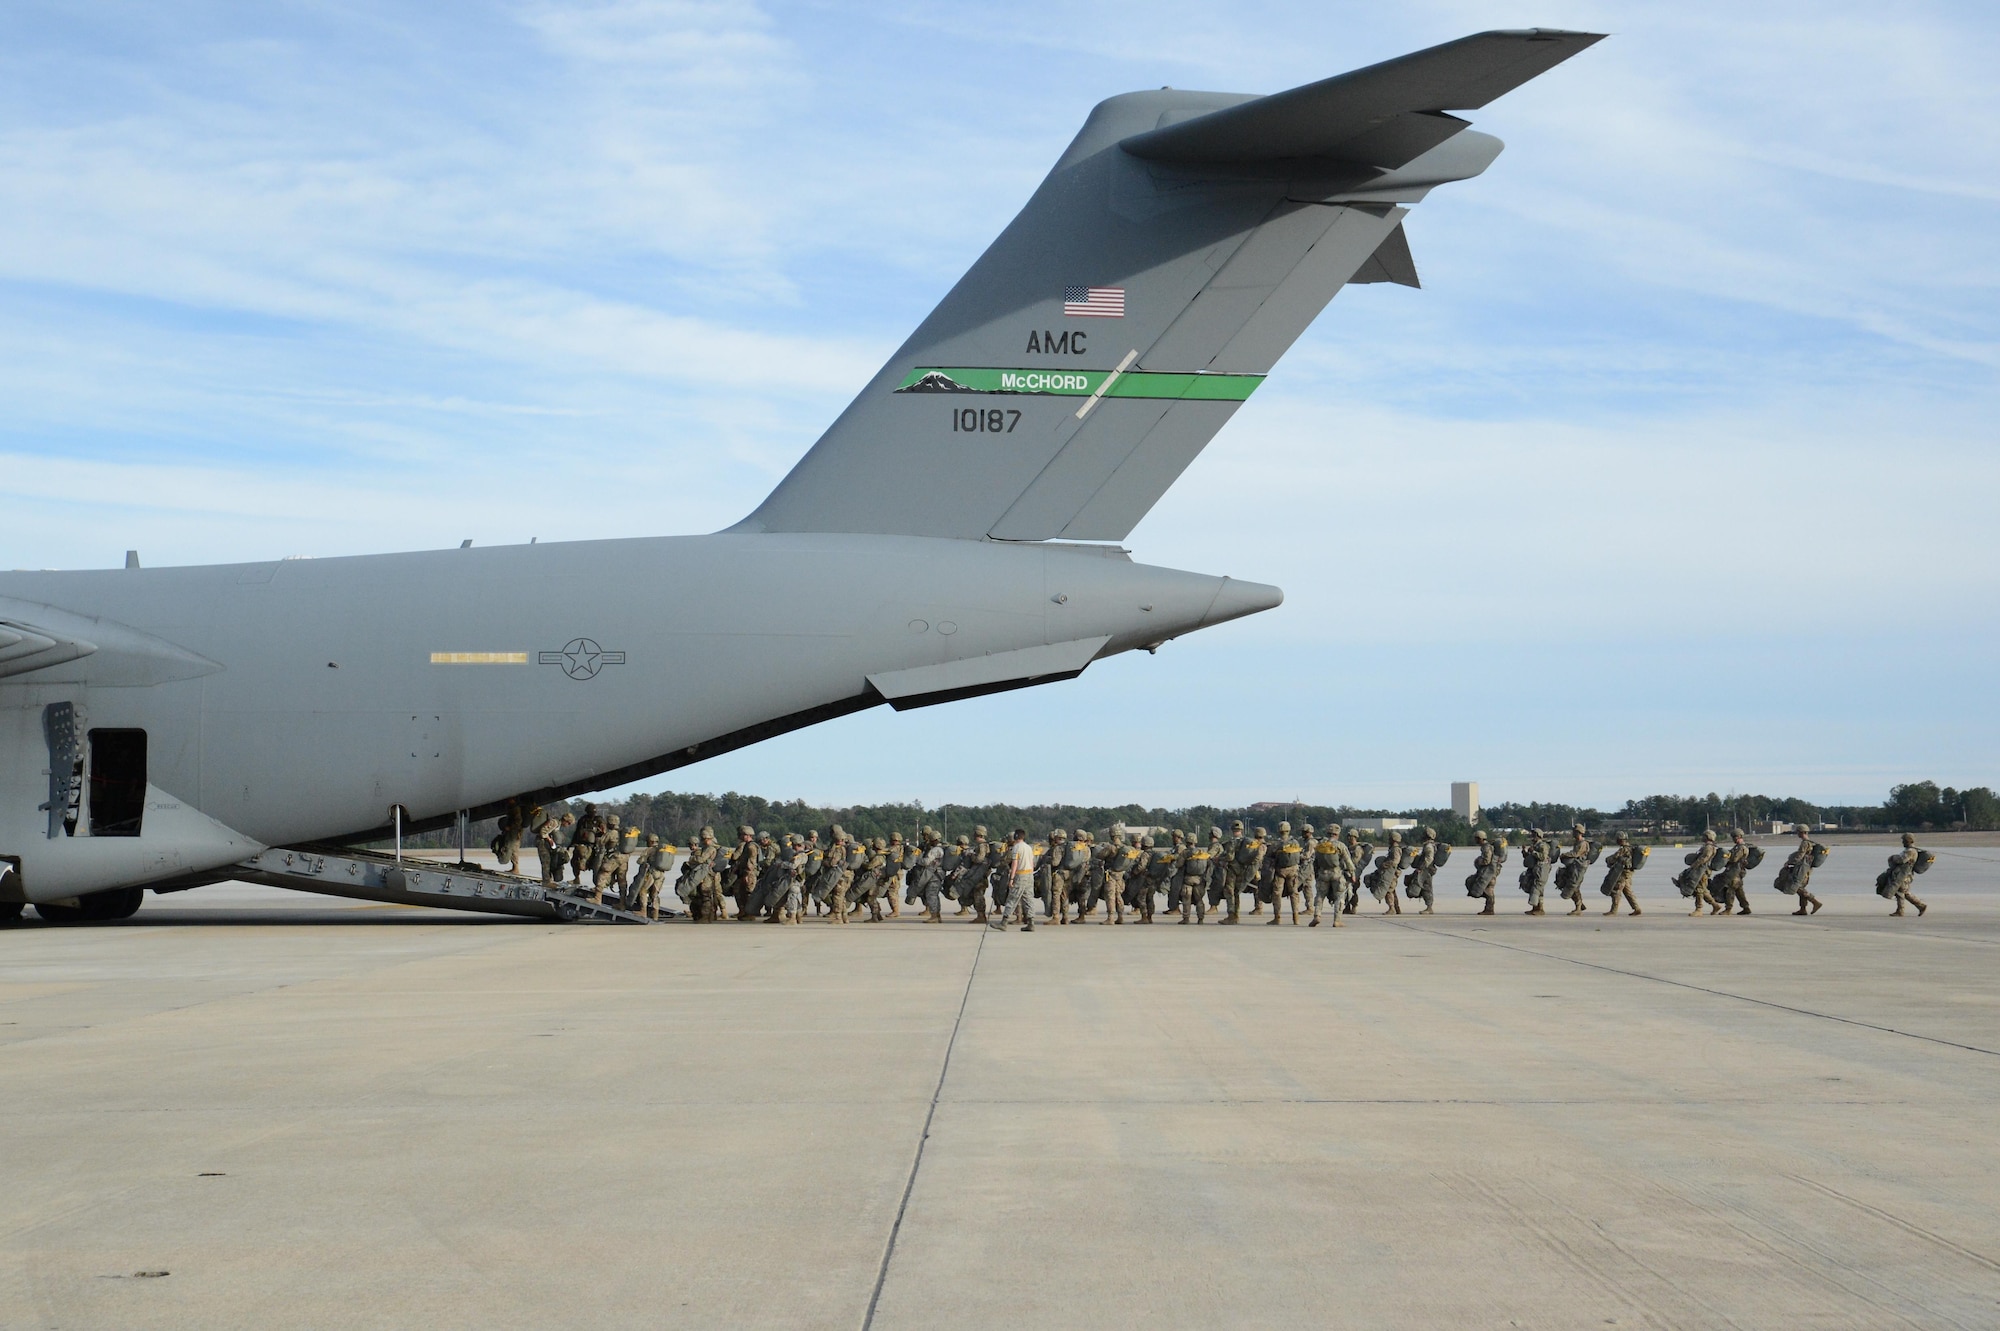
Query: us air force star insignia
[[582, 658]]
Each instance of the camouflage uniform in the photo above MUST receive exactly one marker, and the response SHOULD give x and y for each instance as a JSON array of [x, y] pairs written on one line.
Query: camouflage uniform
[[1901, 875], [1194, 870], [1576, 861], [583, 842], [654, 861], [1620, 865], [506, 845], [1360, 852], [1702, 862], [1388, 868], [897, 857], [1288, 857], [1736, 866], [1796, 874], [840, 861], [548, 845], [1424, 862], [928, 874], [1054, 878], [1111, 867], [606, 865], [1536, 857], [702, 875], [1333, 877], [1248, 861], [1485, 876]]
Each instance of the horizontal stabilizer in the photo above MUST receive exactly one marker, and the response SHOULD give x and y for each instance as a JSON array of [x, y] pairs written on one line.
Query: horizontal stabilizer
[[1385, 115], [1391, 262]]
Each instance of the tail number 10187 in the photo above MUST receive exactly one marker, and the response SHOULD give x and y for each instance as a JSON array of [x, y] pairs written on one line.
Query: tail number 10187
[[985, 420]]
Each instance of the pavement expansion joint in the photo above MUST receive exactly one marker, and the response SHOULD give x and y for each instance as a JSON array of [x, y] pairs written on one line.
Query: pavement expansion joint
[[917, 1161]]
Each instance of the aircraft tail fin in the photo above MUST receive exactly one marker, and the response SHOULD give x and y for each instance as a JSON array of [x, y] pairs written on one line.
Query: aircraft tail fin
[[1179, 247]]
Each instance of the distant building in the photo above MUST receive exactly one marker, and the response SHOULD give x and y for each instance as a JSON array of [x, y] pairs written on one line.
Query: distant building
[[1380, 824], [1465, 800]]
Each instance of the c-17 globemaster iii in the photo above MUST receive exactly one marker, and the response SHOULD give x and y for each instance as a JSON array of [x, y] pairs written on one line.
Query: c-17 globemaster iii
[[953, 533]]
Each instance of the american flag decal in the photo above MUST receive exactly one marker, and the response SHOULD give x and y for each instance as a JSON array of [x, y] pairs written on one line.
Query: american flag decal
[[1094, 302]]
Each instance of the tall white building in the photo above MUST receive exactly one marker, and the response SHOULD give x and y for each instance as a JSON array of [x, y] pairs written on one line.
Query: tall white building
[[1465, 800]]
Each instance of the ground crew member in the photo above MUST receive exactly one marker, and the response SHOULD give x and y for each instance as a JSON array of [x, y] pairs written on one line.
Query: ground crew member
[[1702, 862], [1901, 875], [1736, 865], [1621, 864], [1479, 884], [1287, 854], [1019, 865], [1536, 857], [1797, 870]]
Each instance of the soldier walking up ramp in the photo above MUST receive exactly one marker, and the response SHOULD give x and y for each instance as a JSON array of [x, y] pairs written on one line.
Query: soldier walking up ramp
[[1179, 247]]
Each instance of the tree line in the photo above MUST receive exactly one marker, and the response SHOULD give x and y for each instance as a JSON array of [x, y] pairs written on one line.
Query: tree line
[[679, 817]]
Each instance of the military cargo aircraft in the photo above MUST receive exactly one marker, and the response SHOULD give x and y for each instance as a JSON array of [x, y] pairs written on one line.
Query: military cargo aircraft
[[954, 533]]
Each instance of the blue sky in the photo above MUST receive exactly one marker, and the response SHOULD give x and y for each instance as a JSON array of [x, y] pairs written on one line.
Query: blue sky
[[1679, 474]]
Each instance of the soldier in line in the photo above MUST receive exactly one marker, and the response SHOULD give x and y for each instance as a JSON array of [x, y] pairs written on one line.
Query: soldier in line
[[1112, 866], [1360, 852], [1382, 880], [1486, 866], [1287, 857], [506, 844], [1192, 873], [928, 873], [741, 873], [1257, 876], [1019, 867], [1425, 861], [654, 862], [1576, 861], [898, 854], [814, 888], [1620, 865], [583, 842], [549, 847], [1536, 857], [1702, 862], [1737, 863], [701, 879], [1333, 876], [840, 865], [793, 861], [1904, 866], [1248, 859], [1796, 873], [603, 849]]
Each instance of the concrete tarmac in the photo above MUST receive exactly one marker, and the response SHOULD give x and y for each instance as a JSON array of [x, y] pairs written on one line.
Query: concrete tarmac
[[317, 1113]]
